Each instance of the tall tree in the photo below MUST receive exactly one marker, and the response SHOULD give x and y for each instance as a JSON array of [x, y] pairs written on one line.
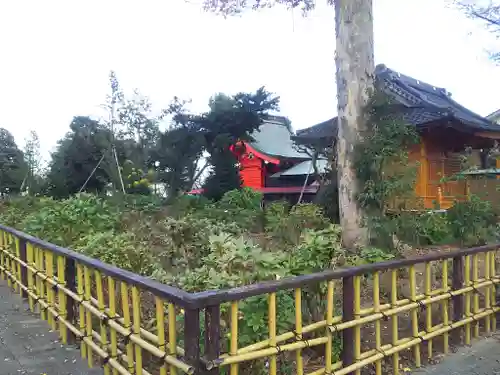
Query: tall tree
[[33, 161], [12, 165], [355, 66], [178, 150], [131, 123], [83, 160], [75, 164], [230, 119], [487, 12], [139, 124], [113, 100]]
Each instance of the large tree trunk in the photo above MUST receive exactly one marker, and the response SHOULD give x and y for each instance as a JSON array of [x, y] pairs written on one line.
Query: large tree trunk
[[355, 67]]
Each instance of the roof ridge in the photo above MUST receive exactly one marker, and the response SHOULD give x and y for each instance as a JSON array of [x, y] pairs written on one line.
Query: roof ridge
[[445, 94], [390, 80], [449, 106], [396, 79], [382, 68], [277, 118], [493, 114], [442, 92]]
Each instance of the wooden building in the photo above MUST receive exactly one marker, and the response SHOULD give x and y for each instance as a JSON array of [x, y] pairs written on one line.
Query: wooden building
[[446, 130], [272, 163]]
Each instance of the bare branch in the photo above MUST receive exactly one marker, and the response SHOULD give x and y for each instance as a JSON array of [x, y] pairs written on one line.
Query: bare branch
[[488, 14], [236, 7]]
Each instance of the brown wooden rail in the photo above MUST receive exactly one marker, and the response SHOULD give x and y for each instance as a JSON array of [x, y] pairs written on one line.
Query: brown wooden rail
[[88, 300]]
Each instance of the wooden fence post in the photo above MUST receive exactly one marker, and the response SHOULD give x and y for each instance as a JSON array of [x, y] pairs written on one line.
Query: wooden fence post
[[458, 301], [70, 279], [440, 197], [24, 270], [348, 349], [212, 336], [192, 339]]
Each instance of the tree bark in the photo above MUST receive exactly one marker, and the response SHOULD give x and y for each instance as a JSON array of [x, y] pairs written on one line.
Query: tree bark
[[355, 67]]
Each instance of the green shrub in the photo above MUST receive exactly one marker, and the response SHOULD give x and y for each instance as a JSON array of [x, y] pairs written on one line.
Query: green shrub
[[118, 249], [136, 181], [182, 244], [288, 228], [317, 250], [433, 229], [64, 222], [428, 228], [244, 199], [327, 196], [187, 204], [472, 222], [14, 210], [254, 313], [241, 207], [233, 261], [204, 248], [276, 221], [308, 215], [371, 255], [129, 202], [274, 213]]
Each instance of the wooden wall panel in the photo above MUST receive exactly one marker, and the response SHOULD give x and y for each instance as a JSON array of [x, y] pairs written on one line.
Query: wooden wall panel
[[251, 171]]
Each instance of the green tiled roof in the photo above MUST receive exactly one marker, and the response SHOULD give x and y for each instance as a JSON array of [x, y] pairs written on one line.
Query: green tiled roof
[[274, 139], [475, 172], [303, 168]]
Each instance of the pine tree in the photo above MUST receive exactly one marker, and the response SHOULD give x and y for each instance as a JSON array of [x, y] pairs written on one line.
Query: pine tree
[[225, 175]]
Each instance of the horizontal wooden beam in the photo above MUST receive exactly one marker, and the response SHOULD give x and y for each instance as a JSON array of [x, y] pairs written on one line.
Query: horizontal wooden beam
[[488, 134]]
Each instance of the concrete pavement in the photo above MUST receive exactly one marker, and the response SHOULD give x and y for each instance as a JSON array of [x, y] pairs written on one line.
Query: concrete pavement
[[482, 358], [28, 347]]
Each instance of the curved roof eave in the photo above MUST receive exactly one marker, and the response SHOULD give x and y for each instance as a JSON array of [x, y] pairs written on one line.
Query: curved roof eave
[[425, 104], [274, 140]]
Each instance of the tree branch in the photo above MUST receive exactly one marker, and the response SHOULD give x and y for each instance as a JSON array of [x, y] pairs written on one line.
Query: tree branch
[[236, 7]]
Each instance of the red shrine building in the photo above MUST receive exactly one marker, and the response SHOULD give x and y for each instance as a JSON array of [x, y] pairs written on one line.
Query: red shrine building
[[272, 163]]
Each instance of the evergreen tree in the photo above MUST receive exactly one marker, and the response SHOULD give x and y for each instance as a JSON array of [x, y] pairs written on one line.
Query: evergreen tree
[[12, 165], [178, 150], [230, 119], [32, 157], [224, 177], [76, 156]]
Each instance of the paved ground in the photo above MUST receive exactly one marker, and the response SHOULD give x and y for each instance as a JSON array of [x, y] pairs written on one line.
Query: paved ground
[[28, 347], [482, 358]]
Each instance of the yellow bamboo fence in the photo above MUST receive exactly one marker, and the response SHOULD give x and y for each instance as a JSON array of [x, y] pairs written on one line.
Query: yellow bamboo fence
[[130, 324]]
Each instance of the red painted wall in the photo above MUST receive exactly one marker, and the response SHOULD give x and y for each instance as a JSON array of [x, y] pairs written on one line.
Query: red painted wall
[[251, 171]]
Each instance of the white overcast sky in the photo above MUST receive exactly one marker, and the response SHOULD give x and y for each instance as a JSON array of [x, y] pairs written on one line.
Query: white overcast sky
[[55, 57]]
